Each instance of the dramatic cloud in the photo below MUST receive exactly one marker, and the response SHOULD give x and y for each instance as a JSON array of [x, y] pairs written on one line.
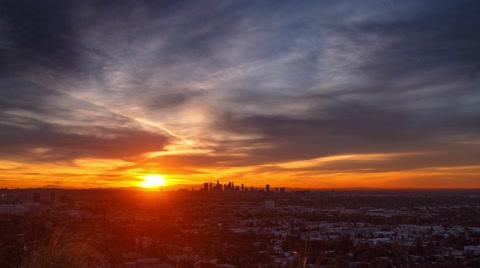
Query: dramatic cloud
[[314, 94]]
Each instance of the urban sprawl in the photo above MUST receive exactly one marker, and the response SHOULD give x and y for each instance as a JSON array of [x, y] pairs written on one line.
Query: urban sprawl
[[223, 225]]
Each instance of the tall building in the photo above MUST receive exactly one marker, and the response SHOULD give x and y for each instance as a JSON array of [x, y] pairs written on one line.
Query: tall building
[[267, 188], [205, 187]]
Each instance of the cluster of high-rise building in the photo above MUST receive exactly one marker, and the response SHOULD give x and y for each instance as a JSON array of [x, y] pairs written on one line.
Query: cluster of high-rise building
[[230, 187]]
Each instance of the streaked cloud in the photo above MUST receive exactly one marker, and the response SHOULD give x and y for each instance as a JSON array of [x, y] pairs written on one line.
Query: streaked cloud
[[318, 93]]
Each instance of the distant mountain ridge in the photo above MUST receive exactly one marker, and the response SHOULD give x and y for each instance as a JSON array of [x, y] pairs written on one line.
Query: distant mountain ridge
[[53, 186]]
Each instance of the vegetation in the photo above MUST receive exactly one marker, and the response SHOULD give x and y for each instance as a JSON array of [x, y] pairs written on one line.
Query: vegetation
[[64, 250]]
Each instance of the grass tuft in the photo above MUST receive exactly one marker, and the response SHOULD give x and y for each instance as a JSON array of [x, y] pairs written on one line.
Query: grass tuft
[[64, 250]]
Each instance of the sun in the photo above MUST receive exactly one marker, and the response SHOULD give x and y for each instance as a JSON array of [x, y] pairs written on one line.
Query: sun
[[153, 180]]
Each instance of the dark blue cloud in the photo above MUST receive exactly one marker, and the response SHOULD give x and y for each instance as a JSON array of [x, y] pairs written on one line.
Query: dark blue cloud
[[275, 80]]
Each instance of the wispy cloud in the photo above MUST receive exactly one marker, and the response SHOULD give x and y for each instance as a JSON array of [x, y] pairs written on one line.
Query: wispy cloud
[[239, 88]]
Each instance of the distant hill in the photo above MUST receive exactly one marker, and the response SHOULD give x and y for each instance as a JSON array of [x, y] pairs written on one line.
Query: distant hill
[[53, 186]]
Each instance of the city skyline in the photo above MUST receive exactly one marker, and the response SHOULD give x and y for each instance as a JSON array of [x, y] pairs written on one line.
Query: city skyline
[[311, 94]]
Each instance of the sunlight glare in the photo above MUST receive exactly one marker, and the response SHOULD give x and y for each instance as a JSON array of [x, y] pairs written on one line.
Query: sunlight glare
[[153, 180]]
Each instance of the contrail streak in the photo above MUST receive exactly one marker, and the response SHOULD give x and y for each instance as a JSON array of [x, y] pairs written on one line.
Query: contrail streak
[[142, 121]]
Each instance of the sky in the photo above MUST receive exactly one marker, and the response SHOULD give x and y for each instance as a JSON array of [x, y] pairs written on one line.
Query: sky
[[313, 94]]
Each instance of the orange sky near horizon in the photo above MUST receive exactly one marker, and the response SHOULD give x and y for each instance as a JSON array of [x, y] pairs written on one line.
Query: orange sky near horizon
[[113, 173]]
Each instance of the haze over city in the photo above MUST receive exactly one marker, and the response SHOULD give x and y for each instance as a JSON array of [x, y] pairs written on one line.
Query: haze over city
[[305, 94]]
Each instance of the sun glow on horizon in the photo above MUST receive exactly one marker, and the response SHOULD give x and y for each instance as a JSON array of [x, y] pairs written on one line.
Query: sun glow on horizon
[[153, 180]]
